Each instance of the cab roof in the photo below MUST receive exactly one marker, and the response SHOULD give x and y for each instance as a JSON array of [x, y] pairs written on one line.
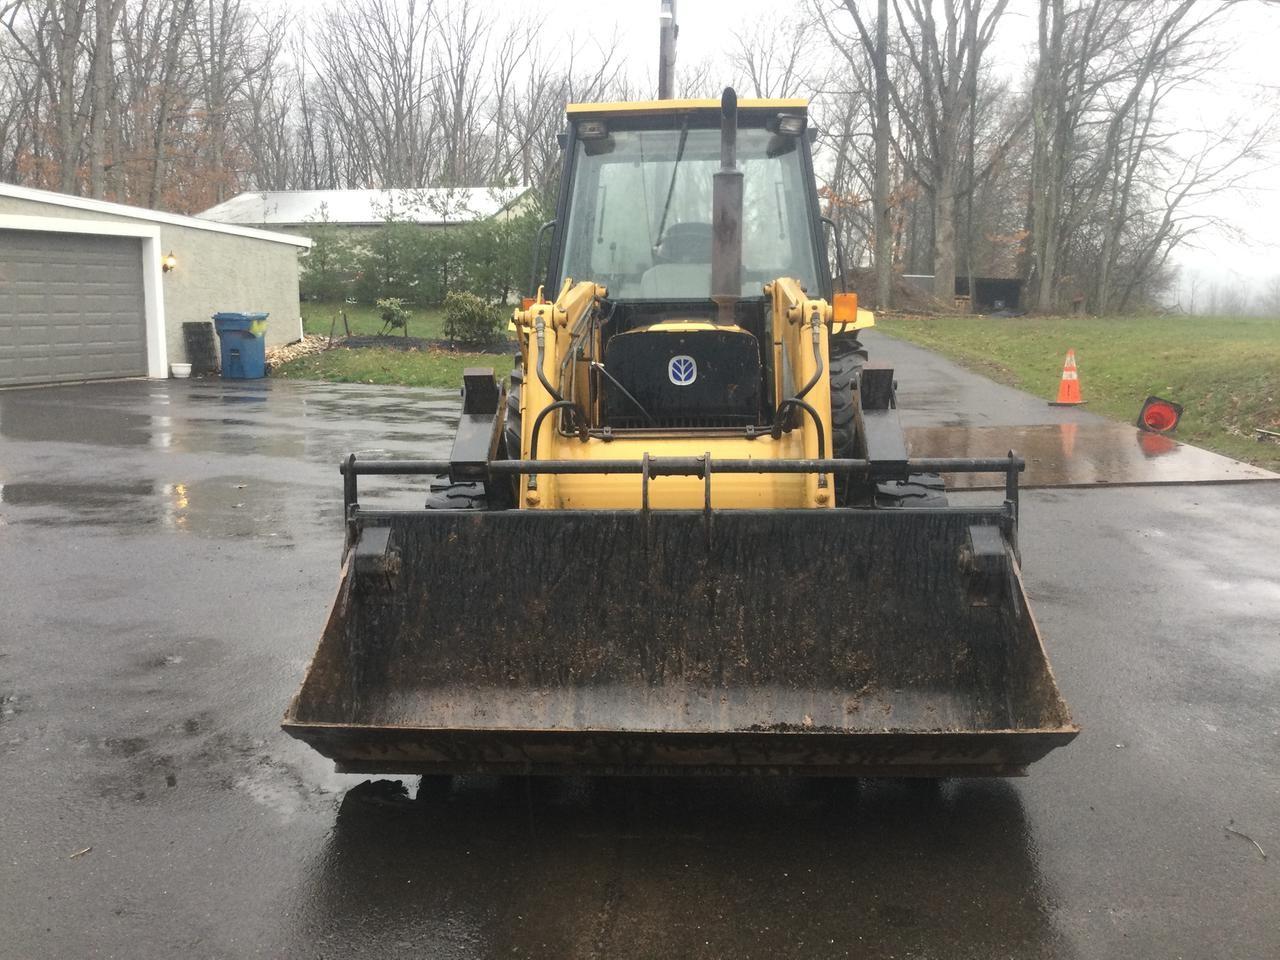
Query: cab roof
[[639, 107]]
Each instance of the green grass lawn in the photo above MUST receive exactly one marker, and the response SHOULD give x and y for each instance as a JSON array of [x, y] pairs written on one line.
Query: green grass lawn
[[317, 317], [384, 365], [427, 367], [1225, 372]]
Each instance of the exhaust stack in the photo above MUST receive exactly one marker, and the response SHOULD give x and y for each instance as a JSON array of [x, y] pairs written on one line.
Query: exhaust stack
[[668, 31], [726, 214]]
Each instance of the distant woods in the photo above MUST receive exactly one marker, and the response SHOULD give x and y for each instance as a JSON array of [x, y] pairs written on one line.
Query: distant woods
[[1062, 164], [182, 103], [945, 147]]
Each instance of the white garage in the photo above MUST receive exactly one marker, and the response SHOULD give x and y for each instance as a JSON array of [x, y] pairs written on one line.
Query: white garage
[[85, 293]]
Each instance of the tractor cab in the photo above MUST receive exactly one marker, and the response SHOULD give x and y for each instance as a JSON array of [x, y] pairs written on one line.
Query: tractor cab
[[636, 215]]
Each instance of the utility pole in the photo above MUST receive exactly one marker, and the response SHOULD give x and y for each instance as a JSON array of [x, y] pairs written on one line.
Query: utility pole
[[667, 33]]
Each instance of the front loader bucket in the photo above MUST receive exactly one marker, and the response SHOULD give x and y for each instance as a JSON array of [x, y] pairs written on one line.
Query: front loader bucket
[[831, 642]]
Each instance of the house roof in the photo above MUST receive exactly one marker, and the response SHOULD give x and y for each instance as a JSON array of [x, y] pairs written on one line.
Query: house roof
[[424, 205], [142, 213]]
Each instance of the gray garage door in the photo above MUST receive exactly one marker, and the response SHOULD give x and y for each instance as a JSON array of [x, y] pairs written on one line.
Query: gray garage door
[[71, 307]]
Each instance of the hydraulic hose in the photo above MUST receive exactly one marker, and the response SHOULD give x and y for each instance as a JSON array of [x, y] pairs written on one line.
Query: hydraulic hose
[[577, 335], [807, 408], [540, 329], [817, 425], [779, 416], [815, 325], [537, 428]]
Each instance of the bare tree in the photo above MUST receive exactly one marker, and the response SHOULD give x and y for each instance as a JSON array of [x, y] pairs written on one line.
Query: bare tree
[[264, 124], [1104, 68], [47, 36], [101, 87], [882, 133], [1222, 163], [1269, 297], [169, 91], [772, 58], [513, 57], [461, 54], [374, 66], [945, 57], [1227, 300]]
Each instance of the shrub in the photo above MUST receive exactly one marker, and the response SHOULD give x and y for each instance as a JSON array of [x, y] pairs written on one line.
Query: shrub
[[329, 271], [394, 316], [420, 264], [470, 320]]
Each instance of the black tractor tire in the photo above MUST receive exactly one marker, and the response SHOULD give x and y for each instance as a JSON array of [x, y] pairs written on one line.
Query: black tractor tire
[[447, 495], [847, 358], [921, 490], [511, 431]]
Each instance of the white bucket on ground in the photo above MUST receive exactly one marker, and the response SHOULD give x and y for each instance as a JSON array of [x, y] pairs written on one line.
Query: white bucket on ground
[[180, 370]]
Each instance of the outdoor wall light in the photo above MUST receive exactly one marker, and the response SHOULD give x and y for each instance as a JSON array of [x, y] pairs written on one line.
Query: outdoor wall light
[[169, 262]]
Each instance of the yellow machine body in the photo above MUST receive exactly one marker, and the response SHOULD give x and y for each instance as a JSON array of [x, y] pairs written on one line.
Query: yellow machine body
[[804, 321]]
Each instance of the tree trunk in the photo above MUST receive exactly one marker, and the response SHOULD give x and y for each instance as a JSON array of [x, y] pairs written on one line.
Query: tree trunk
[[944, 234], [880, 188], [1046, 107], [68, 54], [105, 14]]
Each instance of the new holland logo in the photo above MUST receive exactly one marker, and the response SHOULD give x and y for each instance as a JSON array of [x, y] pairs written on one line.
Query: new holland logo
[[682, 370]]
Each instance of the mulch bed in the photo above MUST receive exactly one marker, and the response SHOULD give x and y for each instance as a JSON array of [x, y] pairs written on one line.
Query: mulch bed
[[422, 343]]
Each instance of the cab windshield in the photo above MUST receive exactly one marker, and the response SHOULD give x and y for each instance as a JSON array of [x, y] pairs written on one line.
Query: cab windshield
[[639, 218]]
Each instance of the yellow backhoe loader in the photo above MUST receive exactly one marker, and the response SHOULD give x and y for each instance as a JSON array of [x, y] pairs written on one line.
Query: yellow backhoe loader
[[686, 536]]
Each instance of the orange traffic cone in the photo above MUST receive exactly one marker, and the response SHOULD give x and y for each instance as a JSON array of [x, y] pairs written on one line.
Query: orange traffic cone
[[1069, 387]]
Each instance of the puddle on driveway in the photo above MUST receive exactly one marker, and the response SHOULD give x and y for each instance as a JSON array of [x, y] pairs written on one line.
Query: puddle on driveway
[[30, 415], [1080, 455], [220, 508], [314, 423], [320, 423]]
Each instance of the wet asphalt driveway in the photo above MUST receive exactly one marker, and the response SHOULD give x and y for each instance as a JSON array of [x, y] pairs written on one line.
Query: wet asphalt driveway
[[167, 551]]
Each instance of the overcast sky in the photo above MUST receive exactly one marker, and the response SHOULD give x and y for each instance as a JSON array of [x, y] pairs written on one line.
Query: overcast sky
[[1248, 86]]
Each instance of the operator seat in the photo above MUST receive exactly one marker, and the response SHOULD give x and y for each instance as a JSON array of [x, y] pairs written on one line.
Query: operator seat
[[684, 268]]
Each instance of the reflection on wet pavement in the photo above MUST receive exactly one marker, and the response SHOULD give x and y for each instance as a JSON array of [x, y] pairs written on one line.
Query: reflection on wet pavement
[[316, 422], [208, 434], [685, 868], [1080, 455], [226, 507]]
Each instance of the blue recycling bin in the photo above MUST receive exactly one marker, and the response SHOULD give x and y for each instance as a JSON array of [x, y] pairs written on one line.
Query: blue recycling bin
[[244, 344]]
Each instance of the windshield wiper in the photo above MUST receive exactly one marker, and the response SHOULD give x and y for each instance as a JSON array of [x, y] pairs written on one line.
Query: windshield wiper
[[671, 188]]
